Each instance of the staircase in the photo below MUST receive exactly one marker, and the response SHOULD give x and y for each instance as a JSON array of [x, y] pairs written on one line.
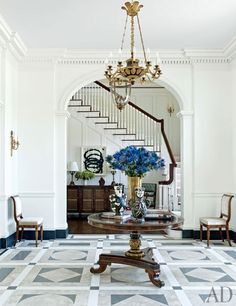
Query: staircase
[[131, 126]]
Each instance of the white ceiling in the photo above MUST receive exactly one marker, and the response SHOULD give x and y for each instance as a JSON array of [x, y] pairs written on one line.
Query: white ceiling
[[98, 24]]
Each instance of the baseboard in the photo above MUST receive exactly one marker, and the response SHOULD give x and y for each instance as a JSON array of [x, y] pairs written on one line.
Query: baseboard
[[215, 235], [30, 235]]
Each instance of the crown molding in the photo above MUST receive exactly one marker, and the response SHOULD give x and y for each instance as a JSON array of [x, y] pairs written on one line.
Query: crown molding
[[230, 49], [11, 41], [98, 57]]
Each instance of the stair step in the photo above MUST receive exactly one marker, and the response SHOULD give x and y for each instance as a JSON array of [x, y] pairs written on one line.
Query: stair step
[[90, 113], [76, 105], [83, 108], [116, 129], [76, 99], [99, 119], [125, 136], [107, 124], [133, 141]]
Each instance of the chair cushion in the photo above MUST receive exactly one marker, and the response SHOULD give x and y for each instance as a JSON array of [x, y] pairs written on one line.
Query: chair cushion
[[31, 221], [212, 221]]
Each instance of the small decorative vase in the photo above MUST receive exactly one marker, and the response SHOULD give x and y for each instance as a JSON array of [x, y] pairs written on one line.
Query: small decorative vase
[[118, 200], [139, 208], [133, 182]]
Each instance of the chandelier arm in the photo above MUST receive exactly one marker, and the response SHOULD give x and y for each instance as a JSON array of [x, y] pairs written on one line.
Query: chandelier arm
[[123, 37], [141, 36]]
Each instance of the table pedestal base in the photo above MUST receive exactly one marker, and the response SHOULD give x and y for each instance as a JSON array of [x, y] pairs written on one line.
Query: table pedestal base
[[145, 262]]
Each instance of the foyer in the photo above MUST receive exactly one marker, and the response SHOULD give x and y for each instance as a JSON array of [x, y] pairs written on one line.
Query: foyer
[[53, 55]]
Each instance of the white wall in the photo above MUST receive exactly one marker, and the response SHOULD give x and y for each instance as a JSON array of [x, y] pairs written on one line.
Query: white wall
[[213, 126], [8, 122], [36, 127], [233, 140]]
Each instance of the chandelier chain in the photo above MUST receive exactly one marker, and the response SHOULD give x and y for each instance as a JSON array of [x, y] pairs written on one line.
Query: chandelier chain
[[141, 36], [123, 37], [132, 37]]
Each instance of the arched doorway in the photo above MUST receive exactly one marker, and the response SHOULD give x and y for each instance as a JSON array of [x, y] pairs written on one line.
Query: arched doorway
[[185, 150]]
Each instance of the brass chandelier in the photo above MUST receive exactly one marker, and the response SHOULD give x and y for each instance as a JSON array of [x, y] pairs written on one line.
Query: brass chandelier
[[126, 74]]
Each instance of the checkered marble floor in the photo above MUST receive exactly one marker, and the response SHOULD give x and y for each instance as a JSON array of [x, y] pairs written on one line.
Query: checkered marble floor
[[57, 272]]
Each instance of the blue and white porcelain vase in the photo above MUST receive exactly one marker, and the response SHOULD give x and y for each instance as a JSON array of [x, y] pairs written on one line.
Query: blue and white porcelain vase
[[139, 208]]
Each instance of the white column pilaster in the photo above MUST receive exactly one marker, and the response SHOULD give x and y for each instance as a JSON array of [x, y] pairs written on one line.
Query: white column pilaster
[[187, 178], [60, 169]]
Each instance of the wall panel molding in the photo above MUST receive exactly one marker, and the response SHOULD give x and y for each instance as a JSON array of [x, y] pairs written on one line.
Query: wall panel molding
[[26, 194], [210, 195]]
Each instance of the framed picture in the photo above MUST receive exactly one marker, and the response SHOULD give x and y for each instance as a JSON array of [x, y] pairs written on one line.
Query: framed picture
[[93, 159]]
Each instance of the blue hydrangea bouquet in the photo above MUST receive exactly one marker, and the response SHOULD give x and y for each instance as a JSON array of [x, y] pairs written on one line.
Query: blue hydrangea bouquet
[[135, 161]]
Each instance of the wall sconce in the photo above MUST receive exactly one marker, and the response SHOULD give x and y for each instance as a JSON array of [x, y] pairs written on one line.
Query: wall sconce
[[72, 168], [170, 110], [14, 143]]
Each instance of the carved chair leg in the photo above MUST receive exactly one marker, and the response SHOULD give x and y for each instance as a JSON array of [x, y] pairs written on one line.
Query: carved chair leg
[[17, 235], [36, 235], [21, 233], [227, 235], [200, 231], [41, 232], [208, 235], [221, 234]]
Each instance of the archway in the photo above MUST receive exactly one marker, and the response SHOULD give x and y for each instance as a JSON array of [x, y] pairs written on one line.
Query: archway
[[61, 134]]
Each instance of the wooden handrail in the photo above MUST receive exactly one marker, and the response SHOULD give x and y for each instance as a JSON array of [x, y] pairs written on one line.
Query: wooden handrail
[[161, 121]]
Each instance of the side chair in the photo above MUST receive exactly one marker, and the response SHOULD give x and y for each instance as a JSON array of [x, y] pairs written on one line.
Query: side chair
[[221, 222], [22, 223]]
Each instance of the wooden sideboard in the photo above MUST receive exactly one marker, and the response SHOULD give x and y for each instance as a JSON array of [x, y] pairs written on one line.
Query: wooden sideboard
[[88, 199]]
